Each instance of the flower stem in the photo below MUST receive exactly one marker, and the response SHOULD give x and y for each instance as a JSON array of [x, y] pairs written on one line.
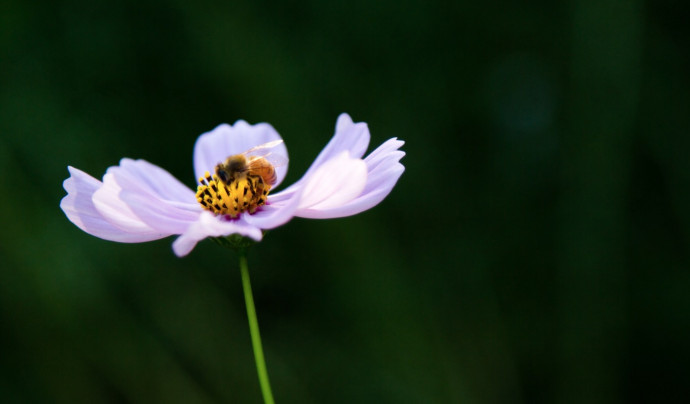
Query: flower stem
[[254, 330]]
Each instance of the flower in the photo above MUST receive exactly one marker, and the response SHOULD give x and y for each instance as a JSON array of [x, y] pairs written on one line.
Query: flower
[[138, 201]]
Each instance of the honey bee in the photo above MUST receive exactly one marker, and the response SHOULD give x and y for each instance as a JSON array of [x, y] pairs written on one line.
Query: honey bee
[[258, 161]]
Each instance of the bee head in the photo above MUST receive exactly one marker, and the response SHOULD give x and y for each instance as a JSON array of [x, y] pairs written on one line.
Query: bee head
[[228, 171], [222, 173], [236, 164]]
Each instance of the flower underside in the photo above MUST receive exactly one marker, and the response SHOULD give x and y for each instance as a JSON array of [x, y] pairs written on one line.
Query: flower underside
[[244, 192]]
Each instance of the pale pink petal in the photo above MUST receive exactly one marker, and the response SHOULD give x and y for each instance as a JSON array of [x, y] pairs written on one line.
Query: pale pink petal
[[153, 195], [79, 207], [349, 136], [107, 202], [160, 214], [209, 225], [277, 211], [388, 149], [383, 172], [147, 178], [363, 202], [224, 141], [334, 183]]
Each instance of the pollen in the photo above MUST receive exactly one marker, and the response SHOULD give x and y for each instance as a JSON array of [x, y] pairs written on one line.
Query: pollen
[[246, 193]]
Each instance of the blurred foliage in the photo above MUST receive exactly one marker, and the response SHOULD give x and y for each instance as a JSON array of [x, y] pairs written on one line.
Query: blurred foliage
[[535, 250]]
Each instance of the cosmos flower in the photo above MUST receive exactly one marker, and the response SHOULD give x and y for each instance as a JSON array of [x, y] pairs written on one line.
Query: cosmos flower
[[138, 201]]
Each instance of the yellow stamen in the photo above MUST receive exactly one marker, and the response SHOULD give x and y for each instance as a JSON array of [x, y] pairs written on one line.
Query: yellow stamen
[[244, 194]]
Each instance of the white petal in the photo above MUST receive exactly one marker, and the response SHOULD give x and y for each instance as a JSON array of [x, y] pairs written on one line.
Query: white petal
[[79, 207], [224, 141], [209, 225]]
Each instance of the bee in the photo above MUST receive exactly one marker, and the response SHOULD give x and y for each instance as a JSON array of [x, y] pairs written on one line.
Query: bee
[[259, 161]]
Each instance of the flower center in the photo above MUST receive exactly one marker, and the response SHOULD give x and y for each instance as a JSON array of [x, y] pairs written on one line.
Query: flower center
[[244, 192]]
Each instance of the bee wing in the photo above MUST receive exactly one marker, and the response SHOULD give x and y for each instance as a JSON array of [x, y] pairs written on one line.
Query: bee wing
[[263, 150], [276, 160], [266, 151]]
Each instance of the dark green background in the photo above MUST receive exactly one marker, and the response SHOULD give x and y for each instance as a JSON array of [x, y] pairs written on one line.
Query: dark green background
[[534, 251]]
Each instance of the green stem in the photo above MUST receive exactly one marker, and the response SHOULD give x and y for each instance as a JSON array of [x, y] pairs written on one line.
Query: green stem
[[254, 331]]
